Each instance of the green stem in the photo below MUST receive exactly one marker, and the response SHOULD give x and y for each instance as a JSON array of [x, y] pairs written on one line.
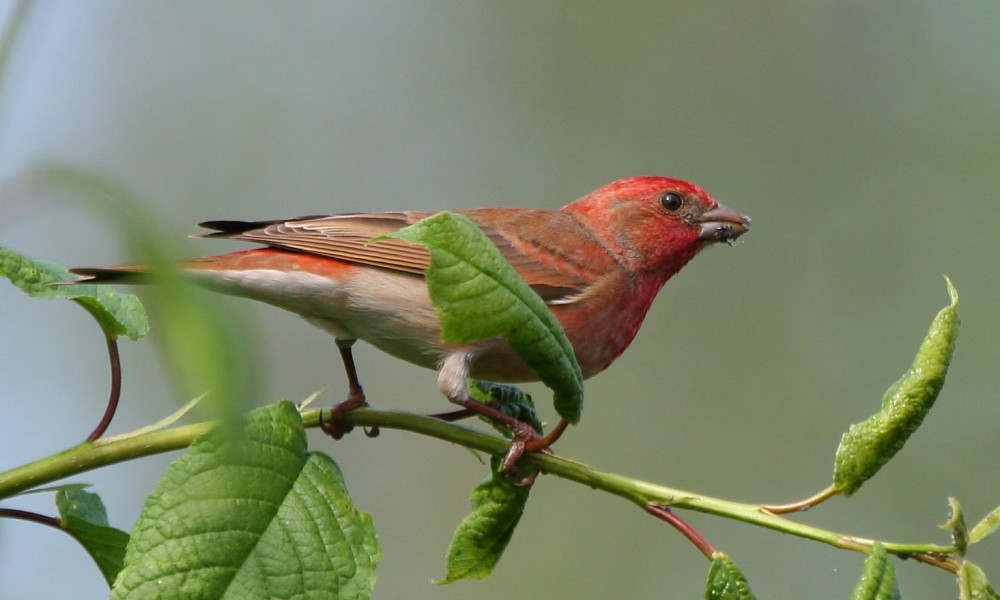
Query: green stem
[[639, 492], [88, 456], [91, 455]]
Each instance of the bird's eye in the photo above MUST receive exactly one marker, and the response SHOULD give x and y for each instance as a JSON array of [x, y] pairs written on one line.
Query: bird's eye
[[671, 201]]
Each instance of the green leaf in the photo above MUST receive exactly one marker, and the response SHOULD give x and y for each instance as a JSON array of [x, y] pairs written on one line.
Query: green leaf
[[116, 313], [956, 525], [255, 516], [878, 577], [988, 525], [479, 295], [509, 400], [77, 502], [85, 518], [726, 581], [204, 338], [973, 585], [480, 539], [868, 445], [206, 345]]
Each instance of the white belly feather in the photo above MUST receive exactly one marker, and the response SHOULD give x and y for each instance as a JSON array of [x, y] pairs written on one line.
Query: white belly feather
[[391, 311]]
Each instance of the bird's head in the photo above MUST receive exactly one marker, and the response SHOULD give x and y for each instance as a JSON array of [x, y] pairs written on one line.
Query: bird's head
[[657, 223]]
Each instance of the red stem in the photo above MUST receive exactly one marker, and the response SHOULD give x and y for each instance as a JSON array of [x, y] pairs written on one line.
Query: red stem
[[23, 515], [687, 530], [116, 391]]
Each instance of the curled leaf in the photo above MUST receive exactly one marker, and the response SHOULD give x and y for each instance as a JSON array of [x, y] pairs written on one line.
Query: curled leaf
[[956, 525], [478, 295], [878, 577], [868, 445]]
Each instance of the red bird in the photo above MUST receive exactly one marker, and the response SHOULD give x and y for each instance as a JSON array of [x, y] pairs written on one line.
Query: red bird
[[597, 262]]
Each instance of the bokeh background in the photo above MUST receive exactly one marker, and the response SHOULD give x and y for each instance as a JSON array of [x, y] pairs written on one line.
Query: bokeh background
[[863, 138]]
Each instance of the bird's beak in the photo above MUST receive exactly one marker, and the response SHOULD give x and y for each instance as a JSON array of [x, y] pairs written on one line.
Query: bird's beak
[[722, 224]]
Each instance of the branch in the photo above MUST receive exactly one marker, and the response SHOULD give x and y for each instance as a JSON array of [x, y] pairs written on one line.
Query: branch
[[92, 455], [641, 493]]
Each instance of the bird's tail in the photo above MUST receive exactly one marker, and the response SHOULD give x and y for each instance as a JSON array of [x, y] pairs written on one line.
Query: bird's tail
[[122, 274]]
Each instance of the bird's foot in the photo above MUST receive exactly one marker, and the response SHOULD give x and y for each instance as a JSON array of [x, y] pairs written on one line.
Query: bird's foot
[[335, 427], [526, 439]]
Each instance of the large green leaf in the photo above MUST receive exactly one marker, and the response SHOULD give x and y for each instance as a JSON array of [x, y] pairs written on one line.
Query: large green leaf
[[251, 516], [479, 295]]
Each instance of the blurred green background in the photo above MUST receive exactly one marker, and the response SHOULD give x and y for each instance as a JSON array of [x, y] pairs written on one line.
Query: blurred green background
[[863, 139]]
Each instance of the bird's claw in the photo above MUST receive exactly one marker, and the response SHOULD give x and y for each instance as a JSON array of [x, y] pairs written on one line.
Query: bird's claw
[[525, 439], [335, 427]]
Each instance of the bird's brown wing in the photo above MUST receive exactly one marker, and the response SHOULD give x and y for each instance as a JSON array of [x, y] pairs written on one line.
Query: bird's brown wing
[[348, 237], [343, 237]]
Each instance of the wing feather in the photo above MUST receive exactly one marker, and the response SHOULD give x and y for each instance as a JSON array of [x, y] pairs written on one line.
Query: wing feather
[[347, 237]]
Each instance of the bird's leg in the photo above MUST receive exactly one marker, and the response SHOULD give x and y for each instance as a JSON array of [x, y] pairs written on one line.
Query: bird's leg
[[335, 427], [453, 382], [525, 438]]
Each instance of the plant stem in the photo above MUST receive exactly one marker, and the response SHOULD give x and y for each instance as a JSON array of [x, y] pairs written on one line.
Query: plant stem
[[686, 529], [116, 389], [23, 515], [88, 456], [91, 455], [639, 492]]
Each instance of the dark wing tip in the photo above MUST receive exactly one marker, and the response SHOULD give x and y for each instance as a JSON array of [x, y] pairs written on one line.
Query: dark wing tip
[[105, 274], [228, 229]]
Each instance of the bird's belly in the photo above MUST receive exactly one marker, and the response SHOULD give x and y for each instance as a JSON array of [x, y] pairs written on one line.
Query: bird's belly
[[391, 311]]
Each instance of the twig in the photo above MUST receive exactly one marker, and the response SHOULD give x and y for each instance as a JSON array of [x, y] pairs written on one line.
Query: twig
[[23, 515], [116, 390], [687, 530]]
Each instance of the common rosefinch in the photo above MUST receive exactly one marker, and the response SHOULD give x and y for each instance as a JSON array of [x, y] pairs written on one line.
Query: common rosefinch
[[597, 262]]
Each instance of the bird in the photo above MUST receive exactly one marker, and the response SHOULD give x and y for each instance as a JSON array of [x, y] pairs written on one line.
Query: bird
[[598, 263]]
